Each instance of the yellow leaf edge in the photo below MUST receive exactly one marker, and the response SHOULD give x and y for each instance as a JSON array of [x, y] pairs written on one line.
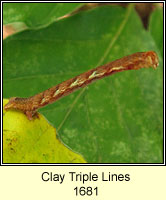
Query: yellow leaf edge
[[34, 141]]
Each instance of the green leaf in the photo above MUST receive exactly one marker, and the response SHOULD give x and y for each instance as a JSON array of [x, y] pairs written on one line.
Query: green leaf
[[33, 141], [118, 119], [156, 28], [36, 14]]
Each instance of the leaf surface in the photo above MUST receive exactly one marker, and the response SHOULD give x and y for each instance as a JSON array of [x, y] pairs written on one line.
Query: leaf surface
[[33, 141], [36, 14], [115, 120], [156, 28]]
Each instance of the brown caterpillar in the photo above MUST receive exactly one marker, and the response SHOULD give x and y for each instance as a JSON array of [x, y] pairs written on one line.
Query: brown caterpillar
[[132, 62]]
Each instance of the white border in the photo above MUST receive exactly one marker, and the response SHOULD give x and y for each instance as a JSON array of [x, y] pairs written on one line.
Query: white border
[[95, 164]]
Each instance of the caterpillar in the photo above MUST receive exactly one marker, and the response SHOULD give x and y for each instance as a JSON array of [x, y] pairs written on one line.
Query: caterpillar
[[31, 104]]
